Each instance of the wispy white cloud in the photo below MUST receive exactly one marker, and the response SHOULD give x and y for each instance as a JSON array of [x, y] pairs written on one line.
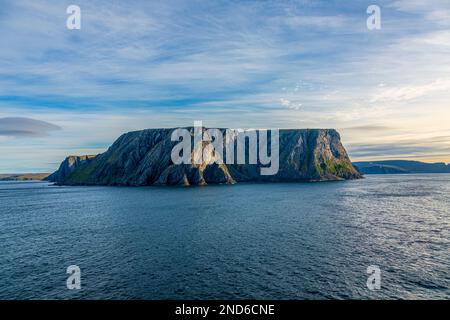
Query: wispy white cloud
[[290, 104], [436, 11], [321, 22], [410, 92]]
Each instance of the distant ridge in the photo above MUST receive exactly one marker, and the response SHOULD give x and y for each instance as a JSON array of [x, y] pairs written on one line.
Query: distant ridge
[[400, 166], [23, 176]]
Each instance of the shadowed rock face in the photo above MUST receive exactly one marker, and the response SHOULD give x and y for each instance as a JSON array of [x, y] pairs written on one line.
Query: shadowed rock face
[[144, 158], [68, 166]]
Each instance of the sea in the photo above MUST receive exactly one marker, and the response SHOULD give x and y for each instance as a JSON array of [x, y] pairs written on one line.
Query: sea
[[323, 240]]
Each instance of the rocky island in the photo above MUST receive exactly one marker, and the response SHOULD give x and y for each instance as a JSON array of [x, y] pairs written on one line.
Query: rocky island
[[143, 158]]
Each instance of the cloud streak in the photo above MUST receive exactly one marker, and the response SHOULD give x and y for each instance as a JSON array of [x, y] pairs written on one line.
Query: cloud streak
[[25, 127]]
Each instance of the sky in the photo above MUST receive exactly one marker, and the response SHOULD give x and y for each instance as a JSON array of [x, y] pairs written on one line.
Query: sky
[[239, 64]]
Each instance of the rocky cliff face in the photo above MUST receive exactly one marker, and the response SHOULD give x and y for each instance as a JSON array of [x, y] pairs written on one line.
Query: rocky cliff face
[[68, 166], [144, 158]]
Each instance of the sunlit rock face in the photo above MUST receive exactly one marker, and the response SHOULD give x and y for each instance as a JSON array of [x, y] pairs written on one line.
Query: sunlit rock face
[[143, 158]]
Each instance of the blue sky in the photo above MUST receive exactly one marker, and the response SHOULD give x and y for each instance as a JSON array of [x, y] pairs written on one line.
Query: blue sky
[[246, 64]]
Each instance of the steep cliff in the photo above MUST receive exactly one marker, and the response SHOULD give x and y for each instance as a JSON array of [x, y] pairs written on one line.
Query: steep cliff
[[144, 158], [68, 166]]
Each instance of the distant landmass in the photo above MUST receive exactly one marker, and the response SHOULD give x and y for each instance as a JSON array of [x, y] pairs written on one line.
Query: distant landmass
[[400, 166], [23, 176], [143, 158]]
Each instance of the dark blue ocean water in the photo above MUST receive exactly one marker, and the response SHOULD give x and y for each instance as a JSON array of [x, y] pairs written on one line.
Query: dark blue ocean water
[[247, 241]]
